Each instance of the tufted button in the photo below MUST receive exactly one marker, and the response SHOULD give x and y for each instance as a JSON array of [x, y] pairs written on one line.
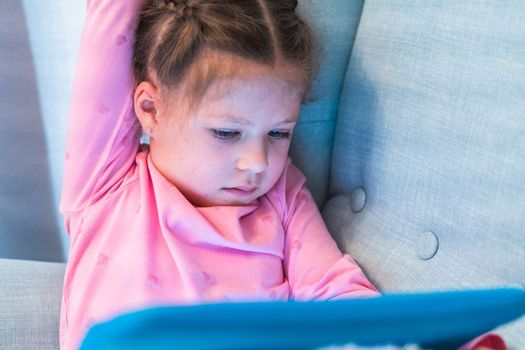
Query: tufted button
[[427, 245], [358, 199]]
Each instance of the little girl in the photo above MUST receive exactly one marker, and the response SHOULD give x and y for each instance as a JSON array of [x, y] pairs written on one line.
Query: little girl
[[213, 209]]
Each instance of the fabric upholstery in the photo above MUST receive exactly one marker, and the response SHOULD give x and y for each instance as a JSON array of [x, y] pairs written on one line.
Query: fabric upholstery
[[26, 197], [53, 29], [429, 151], [335, 23], [30, 295]]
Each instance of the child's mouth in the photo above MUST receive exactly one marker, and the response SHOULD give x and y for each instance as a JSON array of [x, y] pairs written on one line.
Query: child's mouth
[[241, 191]]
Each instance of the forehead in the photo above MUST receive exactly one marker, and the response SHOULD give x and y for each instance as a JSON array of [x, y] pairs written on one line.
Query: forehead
[[262, 87], [267, 93], [222, 84], [262, 100], [212, 67]]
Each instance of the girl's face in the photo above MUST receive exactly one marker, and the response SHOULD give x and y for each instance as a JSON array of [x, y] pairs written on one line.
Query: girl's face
[[233, 145]]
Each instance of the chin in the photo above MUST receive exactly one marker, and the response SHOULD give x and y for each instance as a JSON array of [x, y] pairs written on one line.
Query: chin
[[206, 202], [241, 202]]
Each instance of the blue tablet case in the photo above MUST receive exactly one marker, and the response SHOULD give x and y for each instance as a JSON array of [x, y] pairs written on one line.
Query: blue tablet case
[[438, 320]]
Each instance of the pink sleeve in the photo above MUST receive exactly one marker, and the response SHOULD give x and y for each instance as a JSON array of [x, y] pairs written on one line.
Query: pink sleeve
[[489, 341], [315, 267], [103, 132]]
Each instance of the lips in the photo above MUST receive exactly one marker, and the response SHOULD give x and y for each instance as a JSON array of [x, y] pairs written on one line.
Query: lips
[[246, 188], [241, 191]]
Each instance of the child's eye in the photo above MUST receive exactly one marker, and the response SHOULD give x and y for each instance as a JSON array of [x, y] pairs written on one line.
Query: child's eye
[[276, 134], [226, 134]]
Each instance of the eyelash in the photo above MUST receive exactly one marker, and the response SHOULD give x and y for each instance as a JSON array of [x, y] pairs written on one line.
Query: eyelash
[[281, 134], [230, 135], [226, 134]]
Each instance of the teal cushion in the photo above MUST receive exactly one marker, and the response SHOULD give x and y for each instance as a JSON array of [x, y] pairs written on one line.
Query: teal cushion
[[335, 23]]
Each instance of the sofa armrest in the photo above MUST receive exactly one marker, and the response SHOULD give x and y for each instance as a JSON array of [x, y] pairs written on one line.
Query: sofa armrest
[[30, 298]]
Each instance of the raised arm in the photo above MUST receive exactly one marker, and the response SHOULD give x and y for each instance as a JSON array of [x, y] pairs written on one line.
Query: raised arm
[[103, 132], [315, 267]]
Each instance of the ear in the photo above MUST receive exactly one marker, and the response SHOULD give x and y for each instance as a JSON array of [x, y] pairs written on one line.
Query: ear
[[146, 102]]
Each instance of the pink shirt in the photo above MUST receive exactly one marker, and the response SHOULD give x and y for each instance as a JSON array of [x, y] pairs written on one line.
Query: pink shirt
[[135, 239]]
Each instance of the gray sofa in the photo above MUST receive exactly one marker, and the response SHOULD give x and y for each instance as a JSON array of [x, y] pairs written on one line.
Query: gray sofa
[[414, 148]]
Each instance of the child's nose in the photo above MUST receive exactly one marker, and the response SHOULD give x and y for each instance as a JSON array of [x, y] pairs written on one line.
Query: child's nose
[[254, 158]]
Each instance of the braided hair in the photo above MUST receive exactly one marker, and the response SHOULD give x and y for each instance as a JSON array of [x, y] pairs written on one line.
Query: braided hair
[[172, 35]]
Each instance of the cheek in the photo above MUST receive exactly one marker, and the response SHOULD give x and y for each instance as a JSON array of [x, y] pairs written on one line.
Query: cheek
[[215, 159], [280, 149], [279, 155]]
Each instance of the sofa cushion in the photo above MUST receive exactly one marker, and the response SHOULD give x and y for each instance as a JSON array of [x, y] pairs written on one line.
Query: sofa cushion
[[428, 166], [335, 23], [30, 297], [26, 199]]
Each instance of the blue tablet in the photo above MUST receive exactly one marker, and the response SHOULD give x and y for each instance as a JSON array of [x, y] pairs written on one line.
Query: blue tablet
[[438, 320]]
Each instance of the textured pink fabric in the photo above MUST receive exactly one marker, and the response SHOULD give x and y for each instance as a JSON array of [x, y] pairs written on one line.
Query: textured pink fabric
[[135, 239]]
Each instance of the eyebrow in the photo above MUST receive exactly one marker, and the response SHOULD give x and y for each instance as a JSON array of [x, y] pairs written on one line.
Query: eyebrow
[[247, 122]]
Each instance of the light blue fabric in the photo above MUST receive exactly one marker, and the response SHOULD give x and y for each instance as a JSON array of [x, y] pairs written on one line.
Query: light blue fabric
[[53, 29], [335, 24], [28, 216], [431, 132], [30, 295]]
